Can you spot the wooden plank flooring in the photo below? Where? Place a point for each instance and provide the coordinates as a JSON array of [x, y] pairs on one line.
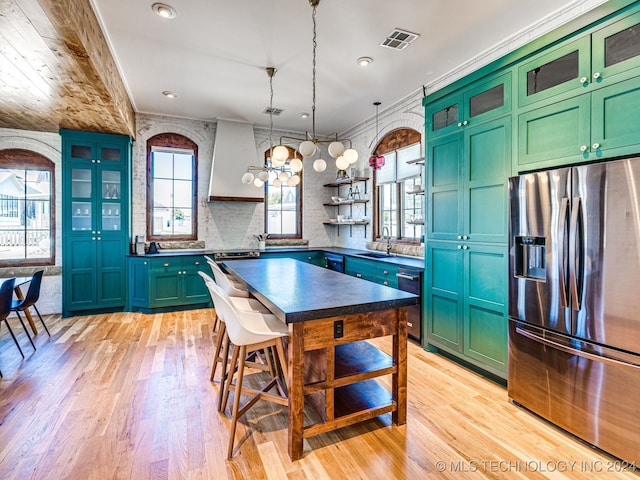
[[128, 396]]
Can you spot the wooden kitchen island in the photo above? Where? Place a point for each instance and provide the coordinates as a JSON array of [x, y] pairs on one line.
[[331, 367]]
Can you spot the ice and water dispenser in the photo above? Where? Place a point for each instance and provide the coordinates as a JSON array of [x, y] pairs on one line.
[[530, 257]]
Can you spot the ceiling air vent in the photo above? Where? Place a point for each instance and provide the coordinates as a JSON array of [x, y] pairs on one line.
[[273, 111], [399, 39]]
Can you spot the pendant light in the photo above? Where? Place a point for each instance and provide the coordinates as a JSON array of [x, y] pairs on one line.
[[376, 161]]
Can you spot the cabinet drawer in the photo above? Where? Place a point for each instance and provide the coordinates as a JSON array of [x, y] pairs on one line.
[[360, 268]]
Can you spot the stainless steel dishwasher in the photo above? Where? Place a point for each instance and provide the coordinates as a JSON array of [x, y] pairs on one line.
[[410, 280]]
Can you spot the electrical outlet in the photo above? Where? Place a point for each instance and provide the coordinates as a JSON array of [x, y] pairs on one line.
[[338, 329]]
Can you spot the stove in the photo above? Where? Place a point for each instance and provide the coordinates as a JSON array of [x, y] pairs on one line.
[[236, 254]]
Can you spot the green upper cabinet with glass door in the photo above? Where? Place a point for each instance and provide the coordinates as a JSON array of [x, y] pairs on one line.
[[580, 101], [95, 220], [467, 168]]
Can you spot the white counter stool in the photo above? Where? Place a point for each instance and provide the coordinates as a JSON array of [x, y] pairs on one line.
[[250, 331], [215, 268], [221, 354]]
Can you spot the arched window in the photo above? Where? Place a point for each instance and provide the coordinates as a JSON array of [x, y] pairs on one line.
[[398, 186], [172, 179], [27, 220], [283, 204]]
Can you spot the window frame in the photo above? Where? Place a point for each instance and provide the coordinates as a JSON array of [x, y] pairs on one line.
[[391, 142], [292, 153], [30, 160], [174, 141]]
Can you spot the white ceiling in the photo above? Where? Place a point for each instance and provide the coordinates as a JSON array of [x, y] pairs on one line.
[[213, 54]]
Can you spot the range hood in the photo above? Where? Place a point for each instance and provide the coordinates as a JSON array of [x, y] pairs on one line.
[[233, 151]]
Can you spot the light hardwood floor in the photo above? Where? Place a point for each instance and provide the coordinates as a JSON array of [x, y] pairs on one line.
[[128, 396]]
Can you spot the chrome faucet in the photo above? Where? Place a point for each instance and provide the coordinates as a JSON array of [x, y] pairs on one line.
[[388, 239]]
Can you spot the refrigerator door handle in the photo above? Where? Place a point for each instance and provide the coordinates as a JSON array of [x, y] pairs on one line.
[[573, 244], [564, 207], [573, 351]]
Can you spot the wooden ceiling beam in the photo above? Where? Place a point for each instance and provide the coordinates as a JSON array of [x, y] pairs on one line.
[[58, 71]]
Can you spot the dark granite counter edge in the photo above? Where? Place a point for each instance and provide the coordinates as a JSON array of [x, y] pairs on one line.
[[414, 262]]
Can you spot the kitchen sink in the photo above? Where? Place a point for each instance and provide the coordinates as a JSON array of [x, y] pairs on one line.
[[373, 255]]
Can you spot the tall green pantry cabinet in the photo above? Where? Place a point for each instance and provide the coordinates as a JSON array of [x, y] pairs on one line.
[[95, 209]]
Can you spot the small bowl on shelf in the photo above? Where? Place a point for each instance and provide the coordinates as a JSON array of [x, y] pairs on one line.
[[338, 199]]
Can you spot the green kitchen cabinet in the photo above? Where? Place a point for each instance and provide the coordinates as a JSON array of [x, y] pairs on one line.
[[467, 176], [315, 257], [376, 271], [578, 101], [485, 100], [95, 206], [598, 125], [168, 282], [361, 268], [466, 303]]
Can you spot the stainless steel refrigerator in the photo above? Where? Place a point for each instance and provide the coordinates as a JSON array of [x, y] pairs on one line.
[[574, 301]]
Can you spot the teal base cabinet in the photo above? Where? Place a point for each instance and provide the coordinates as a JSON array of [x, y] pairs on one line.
[[95, 219], [313, 257], [372, 270], [466, 303], [168, 283]]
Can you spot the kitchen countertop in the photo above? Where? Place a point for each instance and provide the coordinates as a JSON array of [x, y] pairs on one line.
[[401, 260], [333, 293]]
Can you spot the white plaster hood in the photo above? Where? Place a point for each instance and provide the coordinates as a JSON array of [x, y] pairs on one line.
[[233, 151]]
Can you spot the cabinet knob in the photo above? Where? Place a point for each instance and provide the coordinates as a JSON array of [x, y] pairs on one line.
[[596, 146], [462, 124], [93, 161], [459, 247], [196, 263], [93, 238], [359, 275], [459, 237], [99, 238], [309, 258], [145, 263], [409, 324], [596, 75], [465, 237], [583, 80], [386, 272], [166, 264], [583, 148], [465, 247], [93, 232], [385, 282], [98, 232], [97, 161]]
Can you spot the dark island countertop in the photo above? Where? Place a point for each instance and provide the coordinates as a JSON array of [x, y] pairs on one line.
[[297, 291]]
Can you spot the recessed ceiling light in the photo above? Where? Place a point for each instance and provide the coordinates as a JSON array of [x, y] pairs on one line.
[[163, 10], [364, 61], [303, 115], [169, 94]]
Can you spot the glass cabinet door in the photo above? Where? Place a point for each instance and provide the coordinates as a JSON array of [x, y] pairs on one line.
[[81, 204], [561, 70], [616, 50], [111, 208]]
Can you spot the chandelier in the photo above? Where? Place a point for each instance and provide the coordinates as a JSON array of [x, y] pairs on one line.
[[309, 144], [272, 168]]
